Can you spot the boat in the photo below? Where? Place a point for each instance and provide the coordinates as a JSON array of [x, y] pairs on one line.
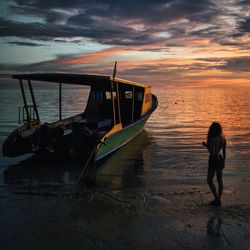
[[116, 112]]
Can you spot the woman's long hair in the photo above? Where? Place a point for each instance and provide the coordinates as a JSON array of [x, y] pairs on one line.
[[215, 130]]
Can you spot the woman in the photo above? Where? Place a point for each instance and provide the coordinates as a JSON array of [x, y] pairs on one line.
[[215, 142]]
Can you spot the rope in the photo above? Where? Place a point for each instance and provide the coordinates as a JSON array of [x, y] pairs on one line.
[[84, 167], [52, 218]]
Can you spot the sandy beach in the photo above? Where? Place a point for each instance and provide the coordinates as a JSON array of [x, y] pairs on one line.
[[179, 218]]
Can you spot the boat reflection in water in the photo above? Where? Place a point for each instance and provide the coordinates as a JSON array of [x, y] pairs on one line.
[[124, 170], [40, 170]]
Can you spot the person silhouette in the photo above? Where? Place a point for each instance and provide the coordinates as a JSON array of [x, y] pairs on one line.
[[214, 144]]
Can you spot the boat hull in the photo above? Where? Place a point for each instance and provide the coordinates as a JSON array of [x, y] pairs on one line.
[[123, 136], [120, 138]]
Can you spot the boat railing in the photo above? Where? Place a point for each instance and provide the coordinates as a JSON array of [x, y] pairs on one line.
[[22, 114]]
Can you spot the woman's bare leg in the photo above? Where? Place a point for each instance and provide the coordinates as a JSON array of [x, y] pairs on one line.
[[220, 182], [210, 176]]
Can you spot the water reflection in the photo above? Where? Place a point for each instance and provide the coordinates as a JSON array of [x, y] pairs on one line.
[[126, 169], [41, 170], [123, 170], [215, 238], [214, 225]]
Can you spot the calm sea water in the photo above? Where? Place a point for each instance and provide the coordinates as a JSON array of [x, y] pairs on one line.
[[168, 151]]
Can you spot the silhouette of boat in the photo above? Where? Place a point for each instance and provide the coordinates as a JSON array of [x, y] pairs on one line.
[[116, 112]]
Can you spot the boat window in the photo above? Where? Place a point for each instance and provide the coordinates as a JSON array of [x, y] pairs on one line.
[[97, 96], [74, 100], [108, 95], [128, 95], [140, 96]]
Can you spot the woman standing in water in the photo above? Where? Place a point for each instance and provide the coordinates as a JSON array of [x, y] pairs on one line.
[[215, 142]]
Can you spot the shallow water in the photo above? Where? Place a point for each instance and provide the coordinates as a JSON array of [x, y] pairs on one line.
[[169, 150], [162, 172]]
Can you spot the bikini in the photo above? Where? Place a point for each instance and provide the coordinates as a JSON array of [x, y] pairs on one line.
[[216, 160]]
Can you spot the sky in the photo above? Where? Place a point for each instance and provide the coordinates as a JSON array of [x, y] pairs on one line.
[[170, 43]]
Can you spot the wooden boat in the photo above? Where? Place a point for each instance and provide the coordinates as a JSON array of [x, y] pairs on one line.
[[116, 112]]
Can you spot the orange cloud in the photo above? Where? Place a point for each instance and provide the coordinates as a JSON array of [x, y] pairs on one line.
[[199, 64], [93, 57]]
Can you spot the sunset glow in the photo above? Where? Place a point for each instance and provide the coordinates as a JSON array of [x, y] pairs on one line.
[[166, 43]]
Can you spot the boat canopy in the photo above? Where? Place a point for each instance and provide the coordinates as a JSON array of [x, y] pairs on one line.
[[121, 100], [78, 79]]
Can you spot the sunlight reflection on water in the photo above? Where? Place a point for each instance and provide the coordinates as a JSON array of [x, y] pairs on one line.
[[181, 122]]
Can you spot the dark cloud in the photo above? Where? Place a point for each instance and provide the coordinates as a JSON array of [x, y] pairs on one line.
[[229, 43], [143, 12], [54, 65], [106, 21], [243, 3], [238, 64], [211, 32], [43, 31], [50, 4], [244, 19], [244, 26], [26, 44]]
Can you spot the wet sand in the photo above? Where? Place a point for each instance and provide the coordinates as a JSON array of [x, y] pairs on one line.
[[179, 218]]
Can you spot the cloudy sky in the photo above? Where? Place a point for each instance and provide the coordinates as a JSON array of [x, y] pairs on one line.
[[162, 42]]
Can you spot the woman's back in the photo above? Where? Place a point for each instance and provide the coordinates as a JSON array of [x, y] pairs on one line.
[[215, 144]]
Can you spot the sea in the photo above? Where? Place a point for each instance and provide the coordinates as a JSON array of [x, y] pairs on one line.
[[164, 159], [169, 148]]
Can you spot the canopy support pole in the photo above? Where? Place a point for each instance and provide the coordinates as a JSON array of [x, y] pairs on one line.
[[33, 100], [25, 101], [118, 102], [112, 96], [113, 101], [133, 104], [60, 101]]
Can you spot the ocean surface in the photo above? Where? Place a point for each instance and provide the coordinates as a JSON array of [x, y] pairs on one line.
[[165, 159], [169, 149]]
